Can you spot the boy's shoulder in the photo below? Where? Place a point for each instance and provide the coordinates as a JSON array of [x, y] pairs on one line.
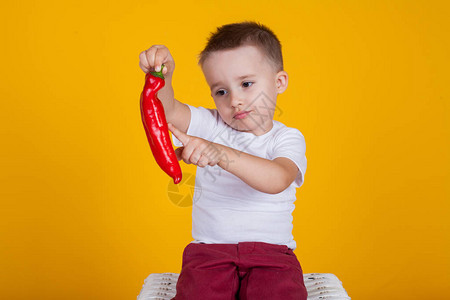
[[280, 129]]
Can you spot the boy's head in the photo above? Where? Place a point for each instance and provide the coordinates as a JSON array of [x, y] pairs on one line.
[[246, 33], [243, 66]]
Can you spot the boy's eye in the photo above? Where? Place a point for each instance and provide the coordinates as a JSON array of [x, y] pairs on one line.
[[221, 92], [247, 84]]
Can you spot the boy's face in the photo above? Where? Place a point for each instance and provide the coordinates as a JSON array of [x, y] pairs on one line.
[[244, 86]]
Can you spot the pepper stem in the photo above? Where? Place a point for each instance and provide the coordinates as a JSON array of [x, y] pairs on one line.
[[160, 73]]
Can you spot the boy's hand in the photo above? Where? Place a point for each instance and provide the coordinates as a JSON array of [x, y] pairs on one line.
[[196, 150], [152, 59]]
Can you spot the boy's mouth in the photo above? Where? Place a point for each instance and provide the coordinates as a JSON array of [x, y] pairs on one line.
[[241, 115]]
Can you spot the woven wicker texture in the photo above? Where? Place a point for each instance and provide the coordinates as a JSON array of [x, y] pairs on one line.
[[162, 286]]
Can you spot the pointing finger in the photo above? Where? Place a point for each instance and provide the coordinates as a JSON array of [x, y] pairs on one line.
[[181, 136]]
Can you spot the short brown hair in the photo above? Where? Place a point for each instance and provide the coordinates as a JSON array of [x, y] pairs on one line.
[[246, 33]]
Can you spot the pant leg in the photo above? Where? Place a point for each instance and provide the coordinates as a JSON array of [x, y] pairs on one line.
[[273, 272], [208, 272]]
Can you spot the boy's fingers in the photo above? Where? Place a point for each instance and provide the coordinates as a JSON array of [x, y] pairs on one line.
[[151, 53], [160, 58], [151, 57], [143, 62], [181, 136]]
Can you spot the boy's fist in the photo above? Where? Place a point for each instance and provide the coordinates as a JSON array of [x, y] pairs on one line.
[[152, 59]]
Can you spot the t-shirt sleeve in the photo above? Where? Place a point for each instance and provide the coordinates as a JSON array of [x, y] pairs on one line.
[[203, 123], [290, 143]]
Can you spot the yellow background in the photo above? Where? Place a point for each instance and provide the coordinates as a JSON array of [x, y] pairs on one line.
[[85, 212]]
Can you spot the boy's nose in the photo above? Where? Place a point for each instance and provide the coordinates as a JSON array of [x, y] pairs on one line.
[[236, 100]]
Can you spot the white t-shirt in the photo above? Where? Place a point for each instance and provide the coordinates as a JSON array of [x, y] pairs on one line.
[[225, 209]]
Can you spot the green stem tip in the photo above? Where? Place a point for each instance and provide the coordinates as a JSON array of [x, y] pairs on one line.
[[160, 73]]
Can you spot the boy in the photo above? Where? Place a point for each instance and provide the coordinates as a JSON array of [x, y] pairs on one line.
[[249, 167]]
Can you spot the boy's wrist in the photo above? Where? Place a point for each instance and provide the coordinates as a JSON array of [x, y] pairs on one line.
[[224, 154]]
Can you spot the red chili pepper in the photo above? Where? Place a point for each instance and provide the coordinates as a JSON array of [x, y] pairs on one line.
[[155, 125]]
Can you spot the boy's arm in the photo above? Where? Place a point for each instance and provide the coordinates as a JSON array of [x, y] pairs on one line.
[[264, 175], [180, 115], [176, 112]]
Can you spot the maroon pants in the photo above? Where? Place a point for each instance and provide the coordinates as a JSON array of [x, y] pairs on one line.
[[245, 271]]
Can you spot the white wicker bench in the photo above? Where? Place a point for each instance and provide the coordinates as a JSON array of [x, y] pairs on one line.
[[162, 286]]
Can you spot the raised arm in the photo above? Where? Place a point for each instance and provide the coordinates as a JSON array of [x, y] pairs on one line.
[[153, 58]]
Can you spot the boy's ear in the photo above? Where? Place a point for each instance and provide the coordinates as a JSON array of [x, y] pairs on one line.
[[282, 79]]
